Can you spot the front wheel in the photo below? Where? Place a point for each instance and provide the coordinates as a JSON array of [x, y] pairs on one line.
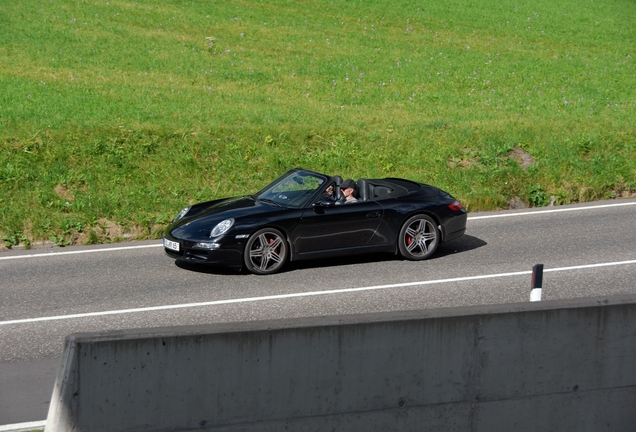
[[418, 238], [265, 251]]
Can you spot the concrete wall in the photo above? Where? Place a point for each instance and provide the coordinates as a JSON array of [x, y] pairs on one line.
[[546, 366]]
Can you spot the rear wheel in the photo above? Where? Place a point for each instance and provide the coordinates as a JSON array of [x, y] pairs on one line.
[[419, 238], [265, 251]]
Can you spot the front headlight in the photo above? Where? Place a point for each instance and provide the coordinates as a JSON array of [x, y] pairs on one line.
[[206, 245], [182, 213], [222, 227]]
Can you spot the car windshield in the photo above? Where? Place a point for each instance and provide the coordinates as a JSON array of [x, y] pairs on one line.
[[293, 189]]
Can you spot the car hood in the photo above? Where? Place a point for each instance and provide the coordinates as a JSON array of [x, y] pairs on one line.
[[228, 204], [200, 224]]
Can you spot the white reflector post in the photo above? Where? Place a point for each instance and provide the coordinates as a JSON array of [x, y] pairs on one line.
[[535, 294], [537, 282]]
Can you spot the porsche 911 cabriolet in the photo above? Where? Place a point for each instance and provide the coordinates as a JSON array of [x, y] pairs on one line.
[[301, 215]]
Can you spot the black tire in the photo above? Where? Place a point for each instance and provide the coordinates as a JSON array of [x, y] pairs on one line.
[[265, 252], [418, 238]]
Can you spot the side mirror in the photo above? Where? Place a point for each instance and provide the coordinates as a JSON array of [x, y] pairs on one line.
[[324, 202]]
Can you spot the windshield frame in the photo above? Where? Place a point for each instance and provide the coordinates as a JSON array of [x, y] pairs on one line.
[[269, 193]]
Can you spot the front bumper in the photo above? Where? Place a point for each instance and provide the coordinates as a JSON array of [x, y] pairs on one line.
[[227, 253]]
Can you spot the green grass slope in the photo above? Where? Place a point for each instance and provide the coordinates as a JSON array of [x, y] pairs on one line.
[[116, 114]]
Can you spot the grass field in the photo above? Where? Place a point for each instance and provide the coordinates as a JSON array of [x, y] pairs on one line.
[[116, 114]]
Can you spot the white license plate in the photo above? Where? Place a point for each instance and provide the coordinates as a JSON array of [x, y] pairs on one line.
[[171, 245]]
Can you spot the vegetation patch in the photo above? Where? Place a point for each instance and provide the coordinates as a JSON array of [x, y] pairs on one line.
[[127, 112]]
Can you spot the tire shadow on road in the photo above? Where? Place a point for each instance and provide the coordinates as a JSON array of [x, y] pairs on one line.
[[461, 244]]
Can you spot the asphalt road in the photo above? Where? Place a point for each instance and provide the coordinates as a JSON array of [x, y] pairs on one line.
[[588, 250]]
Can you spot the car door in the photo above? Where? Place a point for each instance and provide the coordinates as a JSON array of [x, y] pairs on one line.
[[338, 227]]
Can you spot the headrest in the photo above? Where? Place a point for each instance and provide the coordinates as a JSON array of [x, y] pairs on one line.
[[363, 189]]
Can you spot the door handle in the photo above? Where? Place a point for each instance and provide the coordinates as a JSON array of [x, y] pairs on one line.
[[375, 214]]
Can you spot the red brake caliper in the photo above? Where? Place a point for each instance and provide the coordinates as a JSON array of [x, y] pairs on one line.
[[272, 241]]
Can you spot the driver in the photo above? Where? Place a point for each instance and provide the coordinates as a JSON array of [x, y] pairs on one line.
[[348, 188]]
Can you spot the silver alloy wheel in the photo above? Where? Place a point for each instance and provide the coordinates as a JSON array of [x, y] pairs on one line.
[[419, 238], [265, 251]]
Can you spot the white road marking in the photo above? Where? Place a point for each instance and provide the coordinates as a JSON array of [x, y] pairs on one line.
[[303, 294], [24, 426], [470, 218], [556, 210], [49, 254]]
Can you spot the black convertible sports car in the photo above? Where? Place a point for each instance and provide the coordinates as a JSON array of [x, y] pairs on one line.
[[300, 215]]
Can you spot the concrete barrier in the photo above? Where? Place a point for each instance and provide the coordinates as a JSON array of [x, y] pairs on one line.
[[554, 365]]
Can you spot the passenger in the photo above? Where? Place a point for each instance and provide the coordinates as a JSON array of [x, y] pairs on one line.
[[328, 193], [348, 188]]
